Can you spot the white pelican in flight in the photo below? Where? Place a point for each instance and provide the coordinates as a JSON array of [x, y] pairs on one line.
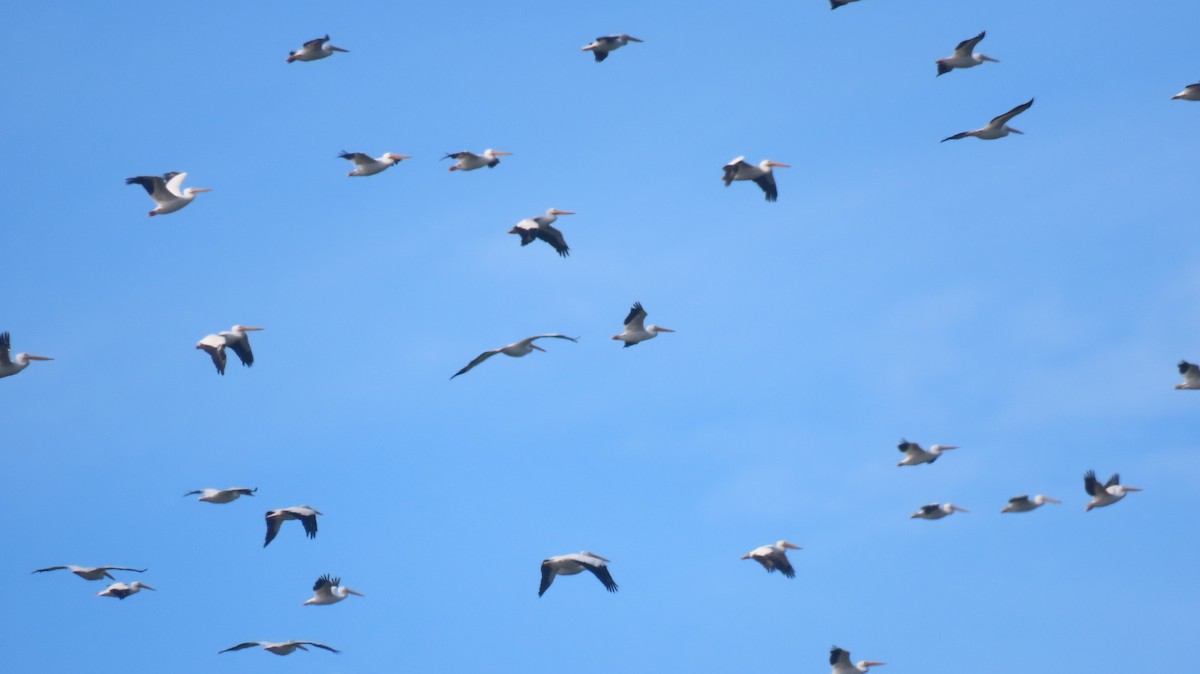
[[635, 327], [283, 648], [762, 175], [314, 49], [165, 191], [330, 591], [222, 495], [10, 365], [1104, 494], [1023, 504], [997, 128], [90, 572], [569, 565], [1190, 372], [1190, 93], [538, 227], [469, 161], [936, 511], [838, 3], [516, 350], [840, 659], [366, 166], [774, 557], [962, 57], [275, 519], [235, 338], [914, 455], [121, 590], [607, 43]]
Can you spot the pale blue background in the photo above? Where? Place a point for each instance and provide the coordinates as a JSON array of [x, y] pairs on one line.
[[1026, 299]]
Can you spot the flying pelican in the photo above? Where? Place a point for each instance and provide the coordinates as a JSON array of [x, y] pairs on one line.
[[469, 161], [1023, 504], [569, 565], [12, 365], [1190, 372], [516, 350], [607, 43], [90, 572], [738, 169], [275, 519], [538, 227], [936, 511], [314, 49], [997, 128], [1190, 93], [774, 557], [284, 648], [840, 659], [366, 166], [330, 591], [235, 338], [635, 329], [1104, 494], [914, 455], [165, 191], [121, 590], [222, 495], [838, 3], [962, 57]]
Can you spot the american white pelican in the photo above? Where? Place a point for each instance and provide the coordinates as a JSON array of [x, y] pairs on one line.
[[962, 57], [997, 128], [1104, 494], [366, 166], [607, 43], [91, 572], [774, 557], [635, 327], [840, 659], [936, 511], [516, 350], [1023, 504], [914, 455], [761, 174], [569, 565], [121, 590], [10, 365], [1190, 372], [314, 49], [538, 227], [838, 3], [275, 519], [235, 338], [222, 495], [165, 191], [469, 161], [283, 648], [1190, 93], [330, 591]]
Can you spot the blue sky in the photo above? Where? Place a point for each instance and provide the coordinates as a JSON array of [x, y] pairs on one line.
[[1026, 299]]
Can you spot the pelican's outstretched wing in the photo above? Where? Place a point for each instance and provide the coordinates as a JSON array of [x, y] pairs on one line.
[[478, 359]]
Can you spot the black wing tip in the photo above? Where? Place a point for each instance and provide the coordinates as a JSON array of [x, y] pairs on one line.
[[943, 69], [600, 55], [1183, 364]]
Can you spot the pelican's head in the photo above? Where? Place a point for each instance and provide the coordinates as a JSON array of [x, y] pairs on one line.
[[950, 507], [141, 586], [1012, 130], [192, 191], [1123, 489], [244, 328], [315, 511], [984, 57], [556, 212], [397, 158], [26, 357], [495, 153], [333, 48], [864, 665], [784, 545], [630, 38], [658, 328], [941, 448], [1045, 499], [301, 647], [535, 346], [592, 554], [356, 593], [767, 165]]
